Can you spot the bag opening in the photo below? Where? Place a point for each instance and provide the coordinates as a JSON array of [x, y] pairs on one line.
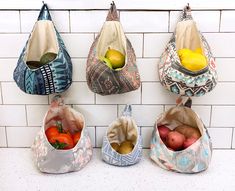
[[43, 40]]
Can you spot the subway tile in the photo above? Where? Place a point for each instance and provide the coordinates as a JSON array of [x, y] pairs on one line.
[[207, 21], [144, 115], [223, 116], [36, 114], [8, 66], [133, 97], [12, 40], [204, 113], [79, 69], [155, 93], [87, 21], [78, 45], [100, 133], [21, 136], [146, 133], [10, 90], [148, 69], [222, 44], [154, 44], [222, 94], [59, 18], [98, 115], [151, 21], [10, 21], [79, 93], [3, 141], [91, 131], [221, 137], [8, 111], [227, 21], [137, 43], [225, 69]]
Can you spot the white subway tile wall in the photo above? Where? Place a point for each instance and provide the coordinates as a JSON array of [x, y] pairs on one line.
[[148, 31]]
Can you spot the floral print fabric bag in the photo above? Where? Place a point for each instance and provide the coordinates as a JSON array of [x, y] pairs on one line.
[[178, 79], [193, 159], [44, 66], [101, 78], [51, 160]]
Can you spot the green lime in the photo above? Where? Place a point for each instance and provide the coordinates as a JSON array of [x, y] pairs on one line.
[[48, 57]]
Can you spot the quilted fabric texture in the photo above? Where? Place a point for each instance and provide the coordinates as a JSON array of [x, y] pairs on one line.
[[105, 81], [177, 79], [54, 77], [51, 160], [109, 155], [195, 158]]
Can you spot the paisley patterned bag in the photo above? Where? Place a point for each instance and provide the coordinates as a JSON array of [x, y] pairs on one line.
[[124, 128], [193, 159], [51, 160], [176, 78], [100, 78], [44, 66]]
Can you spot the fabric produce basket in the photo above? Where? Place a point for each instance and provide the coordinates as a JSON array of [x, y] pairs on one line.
[[51, 160], [183, 80], [44, 66], [123, 128], [193, 159], [101, 78]]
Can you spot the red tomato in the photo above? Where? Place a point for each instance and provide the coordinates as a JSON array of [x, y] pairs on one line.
[[52, 131], [62, 141], [76, 137]]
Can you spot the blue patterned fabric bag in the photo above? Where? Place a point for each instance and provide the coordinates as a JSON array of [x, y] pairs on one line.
[[44, 66], [122, 144], [193, 158]]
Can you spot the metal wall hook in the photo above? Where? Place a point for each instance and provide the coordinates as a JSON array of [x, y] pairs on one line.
[[188, 7], [43, 2]]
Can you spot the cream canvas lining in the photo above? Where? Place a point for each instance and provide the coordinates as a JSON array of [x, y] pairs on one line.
[[112, 36], [122, 129], [42, 40], [187, 35], [181, 115], [71, 121]]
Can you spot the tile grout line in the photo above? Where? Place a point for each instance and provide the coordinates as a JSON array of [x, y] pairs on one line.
[[220, 21], [143, 46], [232, 138], [20, 21], [210, 116], [69, 22], [1, 93], [169, 14], [6, 136], [26, 116]]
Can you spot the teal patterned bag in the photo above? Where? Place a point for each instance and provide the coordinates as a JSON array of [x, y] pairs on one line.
[[44, 66], [194, 158]]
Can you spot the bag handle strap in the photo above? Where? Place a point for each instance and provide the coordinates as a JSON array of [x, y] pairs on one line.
[[184, 101], [44, 13], [127, 111], [112, 14], [186, 13], [57, 100]]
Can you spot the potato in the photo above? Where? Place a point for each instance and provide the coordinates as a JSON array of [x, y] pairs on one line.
[[188, 131], [115, 146], [125, 147], [175, 140]]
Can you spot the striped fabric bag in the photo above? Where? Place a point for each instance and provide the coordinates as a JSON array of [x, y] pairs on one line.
[[44, 66]]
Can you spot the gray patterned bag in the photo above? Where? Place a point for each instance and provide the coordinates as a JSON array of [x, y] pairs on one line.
[[51, 160], [124, 128], [193, 159], [178, 79]]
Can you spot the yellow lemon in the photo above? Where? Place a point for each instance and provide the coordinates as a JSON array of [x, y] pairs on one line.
[[117, 59]]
